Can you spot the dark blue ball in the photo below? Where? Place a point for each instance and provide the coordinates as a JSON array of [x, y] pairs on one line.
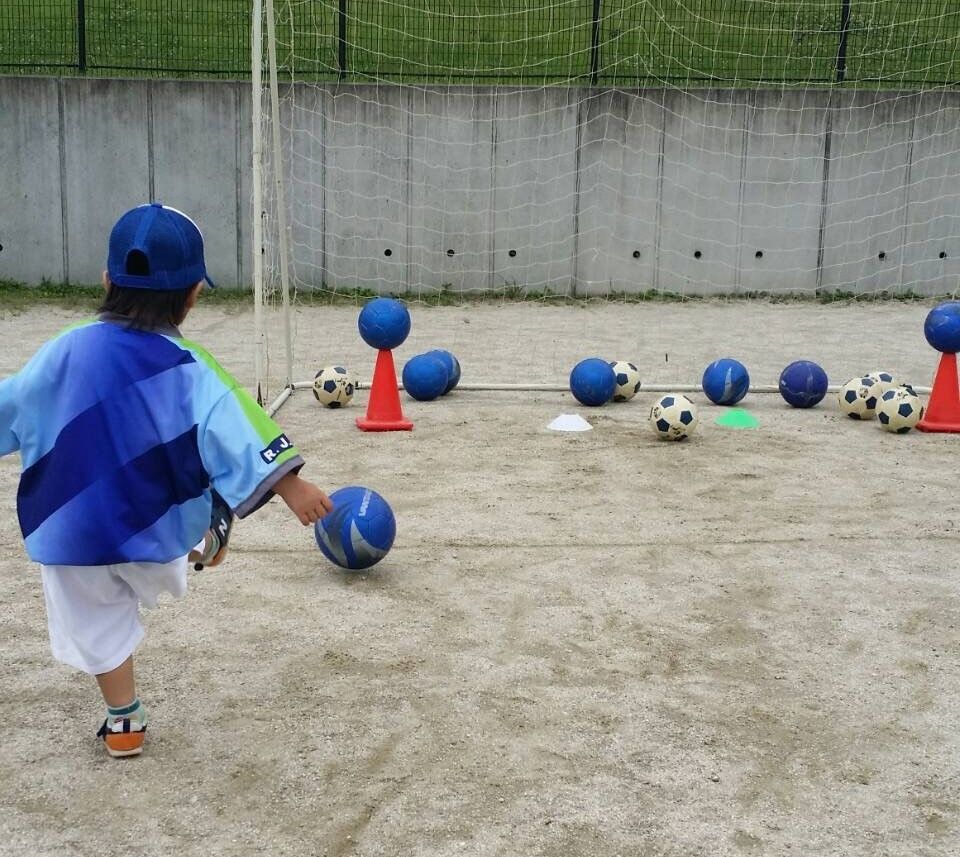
[[384, 323], [726, 381], [942, 327], [453, 368], [425, 377], [359, 531], [803, 383], [593, 381]]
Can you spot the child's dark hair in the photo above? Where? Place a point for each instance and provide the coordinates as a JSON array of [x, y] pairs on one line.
[[146, 308]]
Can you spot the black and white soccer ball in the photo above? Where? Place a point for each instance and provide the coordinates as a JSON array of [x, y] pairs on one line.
[[858, 398], [628, 380], [883, 379], [673, 417], [899, 409], [333, 386]]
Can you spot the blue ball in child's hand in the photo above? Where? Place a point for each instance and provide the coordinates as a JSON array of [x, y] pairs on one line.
[[593, 381], [384, 323], [425, 377], [360, 530]]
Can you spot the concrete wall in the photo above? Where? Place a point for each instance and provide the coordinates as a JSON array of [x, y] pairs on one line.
[[78, 153], [573, 190]]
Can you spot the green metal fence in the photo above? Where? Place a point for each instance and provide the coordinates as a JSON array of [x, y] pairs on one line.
[[890, 43]]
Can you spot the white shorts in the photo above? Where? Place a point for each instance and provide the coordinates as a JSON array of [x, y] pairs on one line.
[[93, 611]]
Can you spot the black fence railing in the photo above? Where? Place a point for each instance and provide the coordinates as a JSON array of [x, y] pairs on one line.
[[902, 43]]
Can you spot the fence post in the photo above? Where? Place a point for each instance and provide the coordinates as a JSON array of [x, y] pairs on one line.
[[342, 40], [595, 44], [842, 47], [81, 36]]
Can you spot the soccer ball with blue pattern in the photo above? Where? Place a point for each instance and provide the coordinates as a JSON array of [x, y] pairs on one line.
[[360, 530], [628, 380], [858, 398], [333, 387], [899, 409], [673, 417]]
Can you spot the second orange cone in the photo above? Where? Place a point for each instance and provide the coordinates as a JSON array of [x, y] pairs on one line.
[[943, 408]]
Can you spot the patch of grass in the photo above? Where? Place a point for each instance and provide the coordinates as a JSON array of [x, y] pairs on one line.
[[658, 42], [18, 297], [843, 296]]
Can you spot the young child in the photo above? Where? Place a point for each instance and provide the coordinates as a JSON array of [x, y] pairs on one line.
[[137, 450]]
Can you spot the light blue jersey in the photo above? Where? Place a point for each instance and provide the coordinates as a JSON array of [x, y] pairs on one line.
[[121, 434]]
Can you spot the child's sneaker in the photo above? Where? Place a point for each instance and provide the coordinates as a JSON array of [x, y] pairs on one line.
[[221, 522], [123, 737]]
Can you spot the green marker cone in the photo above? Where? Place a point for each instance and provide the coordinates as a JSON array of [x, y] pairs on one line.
[[737, 418]]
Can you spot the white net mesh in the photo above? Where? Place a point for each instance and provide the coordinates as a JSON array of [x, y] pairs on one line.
[[622, 150]]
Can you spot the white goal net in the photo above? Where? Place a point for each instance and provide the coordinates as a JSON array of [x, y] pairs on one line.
[[578, 149]]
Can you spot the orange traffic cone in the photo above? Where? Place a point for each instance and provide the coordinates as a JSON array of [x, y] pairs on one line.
[[943, 408], [383, 408]]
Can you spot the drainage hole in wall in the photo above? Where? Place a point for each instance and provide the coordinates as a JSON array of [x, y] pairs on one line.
[[758, 254], [881, 255], [388, 252], [697, 254], [449, 252], [636, 254], [512, 253], [943, 253]]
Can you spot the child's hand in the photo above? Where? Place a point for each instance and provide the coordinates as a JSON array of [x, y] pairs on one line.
[[305, 499]]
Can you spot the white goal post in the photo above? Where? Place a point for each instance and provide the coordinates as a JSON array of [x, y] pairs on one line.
[[561, 149]]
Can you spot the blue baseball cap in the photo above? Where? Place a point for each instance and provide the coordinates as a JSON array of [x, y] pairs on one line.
[[156, 247]]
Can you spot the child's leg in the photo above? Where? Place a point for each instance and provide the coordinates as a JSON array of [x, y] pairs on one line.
[[126, 722], [118, 686], [93, 617]]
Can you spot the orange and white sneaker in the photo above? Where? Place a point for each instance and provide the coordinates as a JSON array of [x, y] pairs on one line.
[[124, 736]]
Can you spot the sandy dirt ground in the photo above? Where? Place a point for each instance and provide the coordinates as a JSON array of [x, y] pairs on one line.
[[588, 644]]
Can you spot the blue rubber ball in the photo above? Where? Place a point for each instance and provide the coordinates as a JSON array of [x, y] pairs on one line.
[[425, 377], [453, 368], [803, 383], [359, 531], [384, 323], [942, 327], [593, 381], [726, 381]]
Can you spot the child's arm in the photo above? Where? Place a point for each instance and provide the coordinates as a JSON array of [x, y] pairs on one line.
[[305, 499]]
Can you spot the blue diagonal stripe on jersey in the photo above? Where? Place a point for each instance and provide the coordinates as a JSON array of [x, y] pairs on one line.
[[99, 440], [128, 501], [78, 364], [134, 354], [88, 452], [167, 475]]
